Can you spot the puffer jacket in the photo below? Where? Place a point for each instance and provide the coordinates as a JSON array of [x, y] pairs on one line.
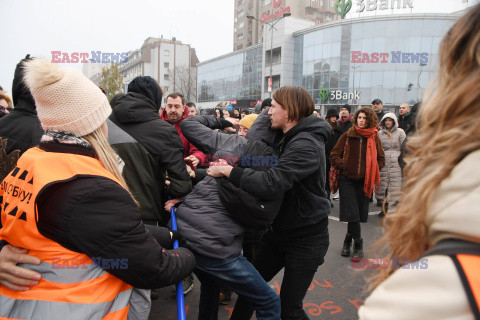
[[352, 164], [435, 292], [391, 173], [202, 220]]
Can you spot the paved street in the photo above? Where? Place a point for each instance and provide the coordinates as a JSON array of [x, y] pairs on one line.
[[335, 293]]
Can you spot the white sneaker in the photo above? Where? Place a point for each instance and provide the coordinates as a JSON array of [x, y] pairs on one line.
[[336, 197]]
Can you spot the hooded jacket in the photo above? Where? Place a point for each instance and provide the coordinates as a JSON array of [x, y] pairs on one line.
[[300, 175], [21, 126], [190, 149], [150, 147], [391, 173], [202, 219], [435, 292]]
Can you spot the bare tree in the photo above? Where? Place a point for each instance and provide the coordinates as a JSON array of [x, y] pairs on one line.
[[185, 81]]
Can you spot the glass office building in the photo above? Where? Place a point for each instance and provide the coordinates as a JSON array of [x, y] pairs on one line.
[[390, 57], [234, 76]]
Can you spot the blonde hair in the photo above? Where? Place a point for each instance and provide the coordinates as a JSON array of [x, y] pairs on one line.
[[448, 132], [105, 154]]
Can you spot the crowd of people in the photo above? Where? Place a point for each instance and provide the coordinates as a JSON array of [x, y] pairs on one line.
[[87, 185]]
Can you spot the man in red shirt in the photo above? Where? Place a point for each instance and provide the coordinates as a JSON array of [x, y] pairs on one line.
[[174, 112]]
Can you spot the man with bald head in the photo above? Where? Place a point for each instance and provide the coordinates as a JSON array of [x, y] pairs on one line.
[[406, 119]]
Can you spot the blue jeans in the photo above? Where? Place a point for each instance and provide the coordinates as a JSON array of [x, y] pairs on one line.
[[241, 277]]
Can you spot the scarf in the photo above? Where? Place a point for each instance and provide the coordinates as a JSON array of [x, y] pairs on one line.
[[64, 137], [372, 171]]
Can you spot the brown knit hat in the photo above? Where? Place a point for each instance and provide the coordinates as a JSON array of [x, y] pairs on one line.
[[247, 121], [65, 99]]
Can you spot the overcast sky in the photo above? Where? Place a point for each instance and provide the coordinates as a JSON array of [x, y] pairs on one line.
[[39, 27]]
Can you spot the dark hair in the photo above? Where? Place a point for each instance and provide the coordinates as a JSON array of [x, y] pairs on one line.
[[221, 112], [210, 112], [175, 95], [245, 110], [191, 104], [296, 100], [1, 88], [372, 119], [266, 103]]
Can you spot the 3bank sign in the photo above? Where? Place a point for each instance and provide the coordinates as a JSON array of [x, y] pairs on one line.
[[333, 95], [342, 7]]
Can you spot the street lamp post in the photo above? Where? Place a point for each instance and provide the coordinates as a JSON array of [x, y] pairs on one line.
[[353, 82], [271, 24]]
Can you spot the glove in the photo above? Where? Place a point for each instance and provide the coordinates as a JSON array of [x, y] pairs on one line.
[[175, 235]]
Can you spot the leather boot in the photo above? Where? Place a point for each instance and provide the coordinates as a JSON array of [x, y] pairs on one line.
[[357, 249], [347, 243]]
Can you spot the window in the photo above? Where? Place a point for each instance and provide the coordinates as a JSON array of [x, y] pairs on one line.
[[166, 53], [166, 77], [165, 89], [241, 25], [265, 2], [166, 64], [240, 35], [240, 13]]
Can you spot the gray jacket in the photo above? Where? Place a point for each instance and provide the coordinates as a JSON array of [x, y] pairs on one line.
[[201, 219]]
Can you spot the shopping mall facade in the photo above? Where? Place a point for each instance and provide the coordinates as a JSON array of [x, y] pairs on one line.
[[390, 57]]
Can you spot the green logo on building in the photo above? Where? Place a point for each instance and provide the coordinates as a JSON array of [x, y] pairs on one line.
[[323, 95], [342, 7]]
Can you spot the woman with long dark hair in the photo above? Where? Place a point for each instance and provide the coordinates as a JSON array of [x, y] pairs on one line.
[[359, 156]]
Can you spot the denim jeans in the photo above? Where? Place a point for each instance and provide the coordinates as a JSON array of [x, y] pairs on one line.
[[240, 276]]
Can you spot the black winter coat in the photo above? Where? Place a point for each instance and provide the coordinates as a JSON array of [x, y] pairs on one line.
[[21, 126], [300, 175], [407, 123], [150, 148], [95, 216]]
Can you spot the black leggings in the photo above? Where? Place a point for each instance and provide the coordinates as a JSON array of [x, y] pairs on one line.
[[354, 229]]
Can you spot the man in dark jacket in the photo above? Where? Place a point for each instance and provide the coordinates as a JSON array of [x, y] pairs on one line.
[[21, 126], [175, 112], [377, 106], [406, 120], [150, 148], [298, 238]]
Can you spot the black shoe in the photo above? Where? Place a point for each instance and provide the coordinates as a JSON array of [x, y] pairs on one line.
[[331, 204], [347, 243], [357, 249], [381, 214], [379, 203]]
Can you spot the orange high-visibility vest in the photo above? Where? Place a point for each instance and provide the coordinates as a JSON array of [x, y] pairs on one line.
[[72, 285], [466, 258]]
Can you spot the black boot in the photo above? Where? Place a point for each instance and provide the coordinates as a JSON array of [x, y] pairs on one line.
[[347, 243], [357, 249]]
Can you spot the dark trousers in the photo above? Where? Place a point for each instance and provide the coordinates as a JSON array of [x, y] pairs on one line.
[[300, 256], [353, 201]]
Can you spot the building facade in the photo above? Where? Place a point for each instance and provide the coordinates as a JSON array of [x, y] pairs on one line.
[[170, 62], [390, 57], [249, 32]]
